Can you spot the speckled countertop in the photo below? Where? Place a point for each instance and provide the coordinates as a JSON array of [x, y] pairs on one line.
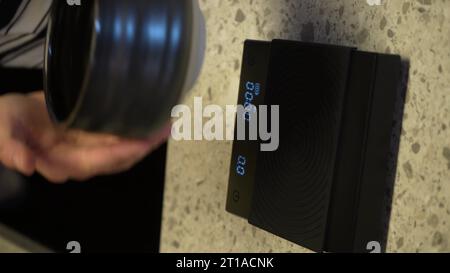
[[419, 30]]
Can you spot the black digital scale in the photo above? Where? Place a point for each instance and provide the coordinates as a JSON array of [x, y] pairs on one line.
[[324, 188]]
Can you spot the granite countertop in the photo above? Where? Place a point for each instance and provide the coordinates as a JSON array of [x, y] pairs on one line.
[[194, 218], [419, 30]]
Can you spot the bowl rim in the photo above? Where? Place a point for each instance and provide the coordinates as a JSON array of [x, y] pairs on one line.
[[73, 114]]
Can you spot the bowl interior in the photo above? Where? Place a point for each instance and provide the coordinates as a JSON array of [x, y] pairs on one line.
[[68, 56]]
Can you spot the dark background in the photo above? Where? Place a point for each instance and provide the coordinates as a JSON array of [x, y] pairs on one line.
[[119, 213]]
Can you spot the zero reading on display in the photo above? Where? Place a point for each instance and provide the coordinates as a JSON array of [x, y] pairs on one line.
[[241, 163]]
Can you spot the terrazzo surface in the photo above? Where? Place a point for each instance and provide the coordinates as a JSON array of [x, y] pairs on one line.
[[194, 218], [419, 30]]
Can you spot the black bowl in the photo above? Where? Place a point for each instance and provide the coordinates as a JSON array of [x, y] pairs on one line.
[[119, 66]]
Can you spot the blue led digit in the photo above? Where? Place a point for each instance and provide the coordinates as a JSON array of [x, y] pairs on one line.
[[249, 97], [247, 116], [250, 86], [241, 162], [240, 170], [257, 89], [252, 90]]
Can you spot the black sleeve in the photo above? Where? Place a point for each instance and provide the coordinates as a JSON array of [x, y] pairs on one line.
[[22, 32], [8, 9]]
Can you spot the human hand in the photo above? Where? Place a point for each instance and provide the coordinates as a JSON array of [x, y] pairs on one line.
[[30, 142]]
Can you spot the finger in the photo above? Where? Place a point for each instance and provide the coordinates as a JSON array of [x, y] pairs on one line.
[[24, 159], [17, 156], [127, 157], [38, 95], [132, 158], [80, 138], [113, 159], [7, 160], [66, 161], [81, 163], [51, 171], [110, 170]]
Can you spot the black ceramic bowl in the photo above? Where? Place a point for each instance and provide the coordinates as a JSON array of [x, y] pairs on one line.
[[119, 66]]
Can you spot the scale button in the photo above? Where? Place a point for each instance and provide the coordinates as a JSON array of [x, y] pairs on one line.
[[236, 196]]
